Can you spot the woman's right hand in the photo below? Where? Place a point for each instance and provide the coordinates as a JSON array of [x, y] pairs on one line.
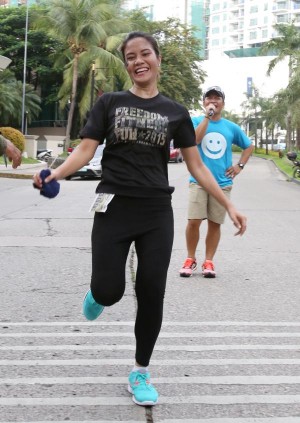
[[37, 180], [79, 157]]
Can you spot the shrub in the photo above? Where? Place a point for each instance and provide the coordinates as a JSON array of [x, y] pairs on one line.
[[74, 143], [15, 136]]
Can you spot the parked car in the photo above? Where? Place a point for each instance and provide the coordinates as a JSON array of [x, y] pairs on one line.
[[93, 169], [279, 146], [175, 154]]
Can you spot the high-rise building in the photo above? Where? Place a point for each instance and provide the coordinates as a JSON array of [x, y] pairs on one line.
[[7, 3], [159, 10], [240, 27], [232, 31], [226, 26]]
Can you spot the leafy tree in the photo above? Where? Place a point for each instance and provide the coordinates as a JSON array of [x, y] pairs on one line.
[[40, 48], [285, 45], [89, 30], [11, 92], [231, 116]]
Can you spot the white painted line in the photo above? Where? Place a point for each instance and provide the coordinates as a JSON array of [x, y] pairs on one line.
[[192, 335], [208, 420], [177, 347], [201, 380], [101, 421], [226, 420], [167, 362], [113, 401], [166, 323]]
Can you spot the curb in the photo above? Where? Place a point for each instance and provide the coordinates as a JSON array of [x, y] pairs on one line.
[[15, 175]]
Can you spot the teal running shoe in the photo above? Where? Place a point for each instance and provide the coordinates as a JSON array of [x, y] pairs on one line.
[[143, 393], [91, 309]]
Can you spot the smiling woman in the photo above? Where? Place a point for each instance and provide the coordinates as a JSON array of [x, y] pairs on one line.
[[133, 203]]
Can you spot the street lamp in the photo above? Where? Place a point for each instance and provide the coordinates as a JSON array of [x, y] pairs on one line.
[[24, 70]]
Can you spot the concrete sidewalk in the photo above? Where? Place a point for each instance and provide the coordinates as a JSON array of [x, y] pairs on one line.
[[25, 171]]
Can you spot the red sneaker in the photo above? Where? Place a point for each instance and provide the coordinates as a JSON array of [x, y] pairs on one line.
[[189, 266], [208, 269]]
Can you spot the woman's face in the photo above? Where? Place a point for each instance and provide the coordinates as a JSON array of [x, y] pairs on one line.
[[142, 64]]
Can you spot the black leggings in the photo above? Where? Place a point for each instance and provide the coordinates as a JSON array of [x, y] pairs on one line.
[[148, 222]]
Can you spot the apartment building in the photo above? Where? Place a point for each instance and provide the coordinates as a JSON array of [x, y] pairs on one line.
[[7, 3], [240, 27], [232, 32]]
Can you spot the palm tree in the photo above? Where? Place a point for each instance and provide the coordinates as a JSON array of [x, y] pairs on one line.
[[90, 30], [11, 92], [285, 45]]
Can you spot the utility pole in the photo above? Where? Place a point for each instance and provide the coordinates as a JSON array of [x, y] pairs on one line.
[[24, 72], [185, 12]]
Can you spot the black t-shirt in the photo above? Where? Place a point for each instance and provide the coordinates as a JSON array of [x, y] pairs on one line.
[[138, 132]]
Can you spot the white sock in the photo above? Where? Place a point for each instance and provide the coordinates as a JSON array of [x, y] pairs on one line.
[[140, 369]]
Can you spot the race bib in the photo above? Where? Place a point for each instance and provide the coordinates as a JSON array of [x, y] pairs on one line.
[[101, 202]]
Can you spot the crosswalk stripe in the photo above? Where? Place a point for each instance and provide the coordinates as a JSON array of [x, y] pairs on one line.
[[268, 394], [175, 347], [162, 362], [208, 420], [165, 323], [162, 335], [203, 380], [226, 420], [200, 399]]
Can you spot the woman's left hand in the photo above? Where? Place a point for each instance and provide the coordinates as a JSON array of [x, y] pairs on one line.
[[239, 220]]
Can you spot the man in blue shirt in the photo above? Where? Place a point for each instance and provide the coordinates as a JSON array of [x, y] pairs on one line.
[[215, 137]]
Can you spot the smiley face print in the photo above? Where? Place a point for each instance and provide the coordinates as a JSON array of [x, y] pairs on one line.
[[213, 145]]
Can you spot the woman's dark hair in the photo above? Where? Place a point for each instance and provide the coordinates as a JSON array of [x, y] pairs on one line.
[[139, 34]]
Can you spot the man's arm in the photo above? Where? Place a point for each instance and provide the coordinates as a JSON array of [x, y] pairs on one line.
[[234, 170], [2, 145], [246, 154], [201, 129], [11, 151]]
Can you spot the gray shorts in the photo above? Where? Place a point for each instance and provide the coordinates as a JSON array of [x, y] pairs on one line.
[[202, 205]]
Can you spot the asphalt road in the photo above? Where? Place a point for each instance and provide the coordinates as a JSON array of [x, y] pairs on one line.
[[229, 349]]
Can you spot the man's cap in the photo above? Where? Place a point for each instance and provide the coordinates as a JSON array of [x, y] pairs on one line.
[[215, 89]]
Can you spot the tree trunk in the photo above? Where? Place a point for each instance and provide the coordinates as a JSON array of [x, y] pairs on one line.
[[288, 131], [73, 102]]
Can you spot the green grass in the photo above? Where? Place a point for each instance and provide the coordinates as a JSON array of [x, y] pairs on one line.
[[284, 164], [24, 161]]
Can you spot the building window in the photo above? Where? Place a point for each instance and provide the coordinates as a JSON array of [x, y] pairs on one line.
[[282, 5], [253, 9], [252, 35], [253, 22], [215, 30], [215, 18], [264, 33], [282, 18], [215, 43]]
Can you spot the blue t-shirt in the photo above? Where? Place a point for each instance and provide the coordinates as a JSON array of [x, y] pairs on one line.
[[215, 147]]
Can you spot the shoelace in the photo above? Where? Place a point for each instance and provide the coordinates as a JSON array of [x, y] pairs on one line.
[[188, 263], [142, 379], [208, 265]]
